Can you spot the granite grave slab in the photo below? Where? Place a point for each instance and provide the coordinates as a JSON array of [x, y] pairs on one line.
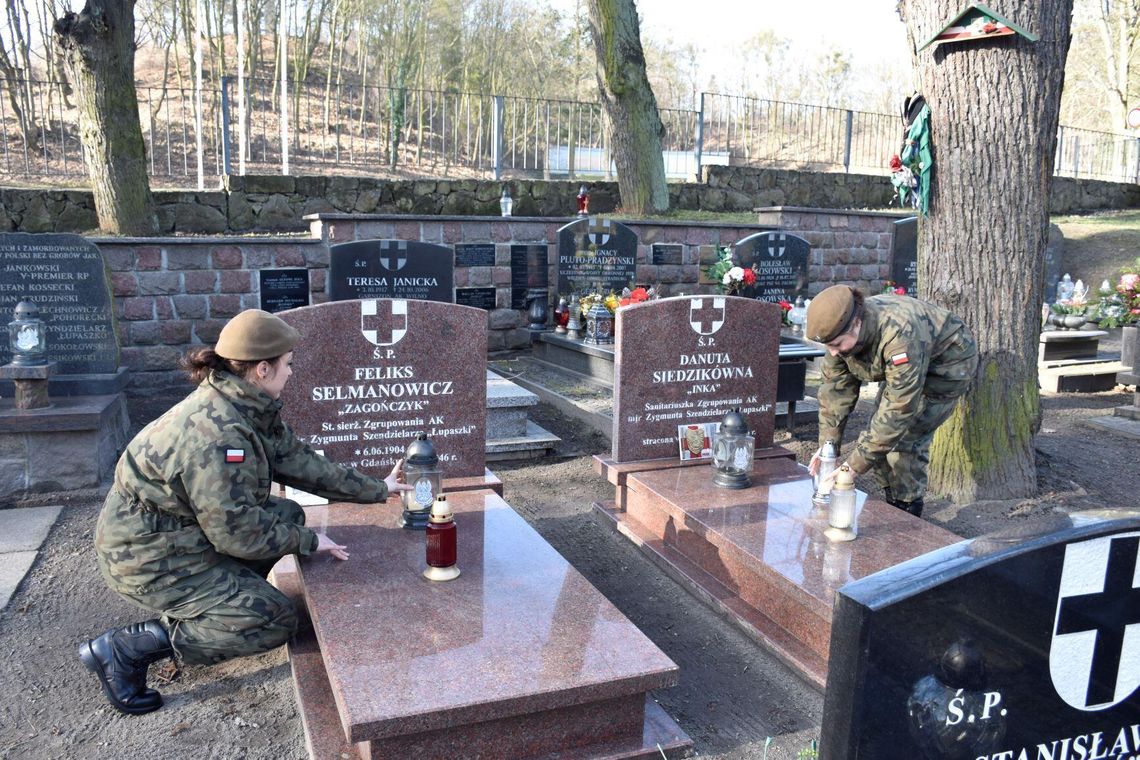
[[1021, 645], [596, 254], [687, 361], [403, 269], [904, 255], [369, 375], [781, 261]]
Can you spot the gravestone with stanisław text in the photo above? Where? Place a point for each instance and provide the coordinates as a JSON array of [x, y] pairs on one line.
[[904, 255], [282, 289], [1008, 647], [596, 254], [369, 375], [66, 277], [391, 269], [781, 260], [528, 272], [687, 361]]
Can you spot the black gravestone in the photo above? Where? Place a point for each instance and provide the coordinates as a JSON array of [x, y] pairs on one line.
[[283, 289], [66, 277], [904, 255], [475, 255], [781, 261], [1001, 648], [391, 269], [666, 253], [596, 254], [480, 298], [1054, 253], [528, 271]]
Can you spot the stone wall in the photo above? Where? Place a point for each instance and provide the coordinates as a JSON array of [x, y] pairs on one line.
[[279, 204]]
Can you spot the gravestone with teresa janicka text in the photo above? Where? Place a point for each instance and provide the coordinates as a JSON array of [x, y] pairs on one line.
[[682, 363], [369, 375], [392, 269]]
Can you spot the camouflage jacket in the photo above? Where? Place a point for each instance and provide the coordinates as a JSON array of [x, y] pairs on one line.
[[192, 484], [916, 349]]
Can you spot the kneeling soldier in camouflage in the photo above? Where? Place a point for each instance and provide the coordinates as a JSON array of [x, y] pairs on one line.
[[925, 358], [189, 530]]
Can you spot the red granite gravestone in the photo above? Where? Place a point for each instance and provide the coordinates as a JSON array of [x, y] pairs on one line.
[[368, 376], [682, 363]]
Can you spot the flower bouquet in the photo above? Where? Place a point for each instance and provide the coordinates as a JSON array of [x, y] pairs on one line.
[[730, 279], [785, 310], [1071, 312], [637, 295], [892, 288], [1120, 306]]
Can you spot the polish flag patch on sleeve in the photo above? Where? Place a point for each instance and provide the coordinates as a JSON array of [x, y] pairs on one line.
[[235, 456], [898, 359]]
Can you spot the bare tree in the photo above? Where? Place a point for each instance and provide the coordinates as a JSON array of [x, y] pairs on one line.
[[99, 49], [631, 108], [993, 126]]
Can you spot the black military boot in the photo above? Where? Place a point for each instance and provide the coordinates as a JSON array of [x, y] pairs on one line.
[[120, 658], [914, 507], [889, 496]]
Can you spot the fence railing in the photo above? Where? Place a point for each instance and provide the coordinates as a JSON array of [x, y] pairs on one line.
[[407, 132]]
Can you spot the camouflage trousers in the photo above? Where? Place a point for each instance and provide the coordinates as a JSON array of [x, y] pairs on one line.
[[903, 470], [228, 611]]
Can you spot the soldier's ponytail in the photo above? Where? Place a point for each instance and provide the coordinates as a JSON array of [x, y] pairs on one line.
[[200, 362]]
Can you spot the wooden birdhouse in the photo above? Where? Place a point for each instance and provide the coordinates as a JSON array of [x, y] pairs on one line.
[[977, 22]]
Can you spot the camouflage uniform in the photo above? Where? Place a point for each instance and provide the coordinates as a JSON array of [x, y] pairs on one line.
[[925, 358], [190, 535]]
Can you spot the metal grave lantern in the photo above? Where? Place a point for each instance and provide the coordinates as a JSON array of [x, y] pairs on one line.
[[599, 326], [506, 203], [841, 511], [422, 473], [27, 336], [733, 447]]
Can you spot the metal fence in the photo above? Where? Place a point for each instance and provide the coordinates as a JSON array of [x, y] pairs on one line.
[[407, 132]]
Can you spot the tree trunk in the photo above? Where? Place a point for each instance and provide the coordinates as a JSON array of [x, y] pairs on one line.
[[994, 108], [99, 48], [631, 108]]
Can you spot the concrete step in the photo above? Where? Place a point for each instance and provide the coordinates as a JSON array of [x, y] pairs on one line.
[[1080, 377], [510, 434]]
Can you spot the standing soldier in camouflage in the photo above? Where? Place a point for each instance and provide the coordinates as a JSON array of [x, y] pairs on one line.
[[189, 530], [925, 359]]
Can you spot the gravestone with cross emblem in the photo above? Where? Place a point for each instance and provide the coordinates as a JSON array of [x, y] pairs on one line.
[[369, 375], [596, 255], [688, 361], [391, 269], [781, 261], [1023, 645]]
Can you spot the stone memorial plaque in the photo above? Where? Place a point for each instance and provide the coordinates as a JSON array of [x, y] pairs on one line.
[[528, 270], [596, 254], [904, 255], [371, 374], [475, 255], [667, 253], [1005, 647], [66, 277], [1054, 254], [781, 261], [283, 289], [480, 298], [391, 269], [688, 361]]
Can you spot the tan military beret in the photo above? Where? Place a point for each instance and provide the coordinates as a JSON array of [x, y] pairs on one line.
[[254, 335], [830, 314]]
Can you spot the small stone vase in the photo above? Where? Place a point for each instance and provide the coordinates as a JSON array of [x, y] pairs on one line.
[[1074, 321]]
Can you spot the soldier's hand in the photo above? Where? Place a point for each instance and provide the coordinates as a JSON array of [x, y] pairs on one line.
[[393, 481], [326, 544], [813, 465]]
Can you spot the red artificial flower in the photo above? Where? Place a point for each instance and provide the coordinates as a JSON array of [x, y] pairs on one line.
[[638, 295], [749, 277], [785, 305], [900, 291], [990, 28], [896, 163]]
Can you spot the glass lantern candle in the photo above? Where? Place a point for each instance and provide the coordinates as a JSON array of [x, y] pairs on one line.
[[27, 336], [583, 199], [561, 316], [599, 326], [733, 447], [828, 454], [442, 549], [422, 473], [841, 510], [506, 203], [797, 315]]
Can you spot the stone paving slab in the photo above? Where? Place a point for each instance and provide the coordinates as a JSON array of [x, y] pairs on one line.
[[13, 567], [25, 529], [1120, 425]]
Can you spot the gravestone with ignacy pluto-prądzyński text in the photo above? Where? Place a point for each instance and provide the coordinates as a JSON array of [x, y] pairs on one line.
[[781, 261], [1022, 646], [369, 375], [391, 269], [66, 277], [596, 254], [680, 364]]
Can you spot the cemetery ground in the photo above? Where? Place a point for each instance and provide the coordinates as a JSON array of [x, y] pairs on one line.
[[731, 697]]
